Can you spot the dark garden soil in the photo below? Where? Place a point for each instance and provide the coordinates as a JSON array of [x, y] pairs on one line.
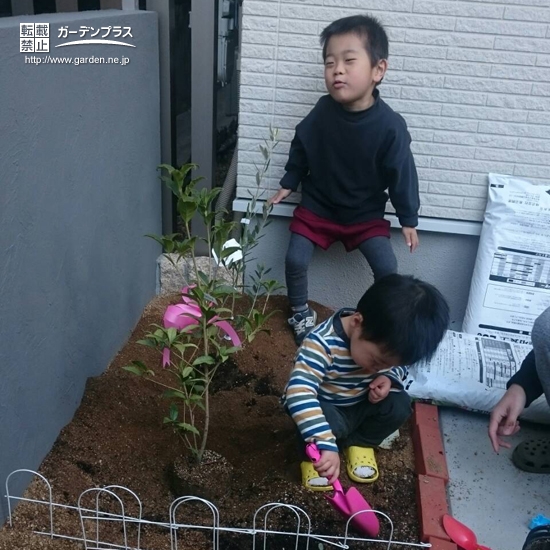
[[117, 437]]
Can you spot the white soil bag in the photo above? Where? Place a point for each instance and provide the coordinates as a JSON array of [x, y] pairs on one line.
[[511, 280], [471, 372]]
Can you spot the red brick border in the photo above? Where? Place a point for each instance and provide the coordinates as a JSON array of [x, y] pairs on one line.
[[439, 544], [424, 414], [433, 475], [429, 455]]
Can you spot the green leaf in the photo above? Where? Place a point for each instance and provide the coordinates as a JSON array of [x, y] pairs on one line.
[[134, 370], [174, 183], [197, 398], [208, 217], [186, 208], [227, 251], [204, 360], [172, 334], [173, 412], [182, 248], [186, 168], [188, 428], [220, 310], [212, 330], [186, 372], [245, 321], [167, 167], [233, 349], [190, 384], [182, 347], [264, 151], [139, 368], [189, 330], [174, 393], [150, 343], [155, 237], [204, 278]]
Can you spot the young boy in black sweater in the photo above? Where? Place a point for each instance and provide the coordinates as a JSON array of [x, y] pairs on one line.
[[348, 154]]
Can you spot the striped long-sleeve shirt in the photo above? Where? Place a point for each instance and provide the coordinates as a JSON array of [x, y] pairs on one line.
[[324, 369]]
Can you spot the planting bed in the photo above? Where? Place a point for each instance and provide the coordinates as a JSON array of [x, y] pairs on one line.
[[117, 437]]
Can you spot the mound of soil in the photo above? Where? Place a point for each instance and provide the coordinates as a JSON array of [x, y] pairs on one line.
[[117, 437]]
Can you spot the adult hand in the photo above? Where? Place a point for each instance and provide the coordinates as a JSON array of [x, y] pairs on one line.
[[504, 417], [379, 389], [328, 465], [411, 237], [279, 196]]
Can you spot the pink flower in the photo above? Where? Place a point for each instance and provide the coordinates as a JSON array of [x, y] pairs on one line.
[[188, 313]]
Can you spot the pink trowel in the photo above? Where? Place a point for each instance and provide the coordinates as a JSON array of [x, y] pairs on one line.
[[349, 502], [461, 535]]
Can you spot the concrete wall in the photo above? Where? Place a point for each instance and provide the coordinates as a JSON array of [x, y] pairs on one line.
[[78, 190]]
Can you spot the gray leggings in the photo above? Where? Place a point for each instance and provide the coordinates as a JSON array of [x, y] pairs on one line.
[[377, 251], [540, 335]]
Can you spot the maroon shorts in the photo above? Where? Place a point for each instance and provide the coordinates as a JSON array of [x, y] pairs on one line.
[[325, 232]]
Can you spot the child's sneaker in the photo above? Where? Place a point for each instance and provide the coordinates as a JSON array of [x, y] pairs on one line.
[[302, 322]]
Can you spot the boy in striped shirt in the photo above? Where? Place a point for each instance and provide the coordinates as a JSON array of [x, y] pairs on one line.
[[345, 390]]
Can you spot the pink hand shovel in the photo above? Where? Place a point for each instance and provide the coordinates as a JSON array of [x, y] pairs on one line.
[[349, 502], [461, 535]]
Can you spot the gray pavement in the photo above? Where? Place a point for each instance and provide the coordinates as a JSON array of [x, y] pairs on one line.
[[486, 491]]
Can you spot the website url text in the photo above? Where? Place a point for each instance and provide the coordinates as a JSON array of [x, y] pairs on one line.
[[52, 60]]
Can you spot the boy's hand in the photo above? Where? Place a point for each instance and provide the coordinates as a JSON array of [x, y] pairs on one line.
[[379, 389], [504, 417], [328, 465], [411, 237], [279, 196]]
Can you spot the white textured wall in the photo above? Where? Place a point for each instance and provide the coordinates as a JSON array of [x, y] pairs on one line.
[[472, 79]]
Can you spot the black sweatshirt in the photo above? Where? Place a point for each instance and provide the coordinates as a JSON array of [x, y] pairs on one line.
[[528, 379], [347, 160]]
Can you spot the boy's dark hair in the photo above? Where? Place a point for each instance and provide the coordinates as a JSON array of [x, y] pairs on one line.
[[366, 27], [404, 315]]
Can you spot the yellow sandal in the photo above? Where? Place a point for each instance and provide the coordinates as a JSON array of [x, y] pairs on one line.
[[309, 474], [357, 457]]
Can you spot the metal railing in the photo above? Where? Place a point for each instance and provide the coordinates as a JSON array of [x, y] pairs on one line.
[[95, 506]]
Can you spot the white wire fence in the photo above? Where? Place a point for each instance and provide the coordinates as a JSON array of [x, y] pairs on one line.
[[109, 506]]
